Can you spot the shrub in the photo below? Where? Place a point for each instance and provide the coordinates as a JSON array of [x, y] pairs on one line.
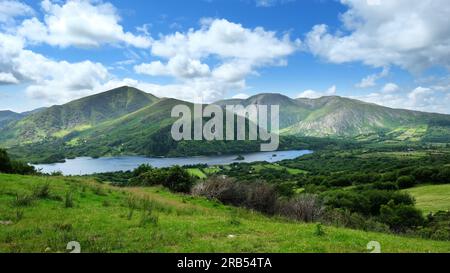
[[257, 195], [42, 192], [147, 214], [219, 187], [345, 218], [400, 217], [98, 190], [178, 180], [9, 166], [406, 182], [23, 200], [387, 186], [306, 208], [152, 177], [132, 206], [141, 170], [261, 197], [19, 215], [68, 200], [5, 162], [366, 202], [319, 231]]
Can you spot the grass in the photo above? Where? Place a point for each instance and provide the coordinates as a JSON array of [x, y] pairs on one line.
[[197, 173], [260, 167], [163, 222], [432, 198]]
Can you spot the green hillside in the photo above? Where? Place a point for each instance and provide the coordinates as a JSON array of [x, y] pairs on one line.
[[432, 198], [103, 218], [60, 120], [7, 117], [342, 117], [127, 121]]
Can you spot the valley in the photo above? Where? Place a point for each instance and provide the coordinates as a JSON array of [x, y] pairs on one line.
[[375, 174], [127, 121]]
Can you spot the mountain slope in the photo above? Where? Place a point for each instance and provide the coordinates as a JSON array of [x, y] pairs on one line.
[[99, 222], [342, 117], [126, 121], [7, 117], [60, 120]]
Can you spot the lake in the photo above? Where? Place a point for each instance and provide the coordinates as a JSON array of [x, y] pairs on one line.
[[87, 165]]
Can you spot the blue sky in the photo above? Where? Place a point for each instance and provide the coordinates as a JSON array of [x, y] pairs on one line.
[[54, 51]]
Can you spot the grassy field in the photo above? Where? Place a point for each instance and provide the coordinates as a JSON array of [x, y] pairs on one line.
[[40, 214], [432, 198], [260, 167], [196, 172]]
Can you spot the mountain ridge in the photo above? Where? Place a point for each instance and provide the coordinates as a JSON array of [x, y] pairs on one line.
[[127, 120]]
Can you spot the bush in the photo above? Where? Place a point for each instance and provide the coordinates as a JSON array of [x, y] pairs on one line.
[[9, 166], [68, 200], [305, 208], [152, 177], [366, 202], [42, 192], [400, 217], [175, 179], [261, 197], [437, 226], [5, 162], [23, 200], [319, 231], [178, 180], [406, 182], [345, 218], [257, 195]]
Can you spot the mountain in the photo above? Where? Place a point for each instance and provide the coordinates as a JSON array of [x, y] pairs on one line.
[[78, 115], [8, 116], [127, 121], [335, 116]]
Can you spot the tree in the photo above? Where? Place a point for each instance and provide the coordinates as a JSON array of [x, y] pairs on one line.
[[5, 162], [401, 218], [178, 180], [405, 182]]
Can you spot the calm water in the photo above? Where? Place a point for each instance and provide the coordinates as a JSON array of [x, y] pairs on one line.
[[87, 165]]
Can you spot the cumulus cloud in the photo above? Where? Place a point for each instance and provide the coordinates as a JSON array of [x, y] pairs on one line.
[[10, 9], [312, 94], [241, 96], [371, 80], [421, 98], [412, 34], [53, 81], [236, 51], [80, 23], [8, 78], [390, 88]]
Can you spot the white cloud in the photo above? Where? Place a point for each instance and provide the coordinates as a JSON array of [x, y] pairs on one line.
[[236, 52], [311, 94], [270, 3], [390, 88], [10, 9], [50, 80], [412, 34], [178, 66], [421, 98], [193, 91], [8, 78], [241, 96], [80, 23], [371, 80]]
